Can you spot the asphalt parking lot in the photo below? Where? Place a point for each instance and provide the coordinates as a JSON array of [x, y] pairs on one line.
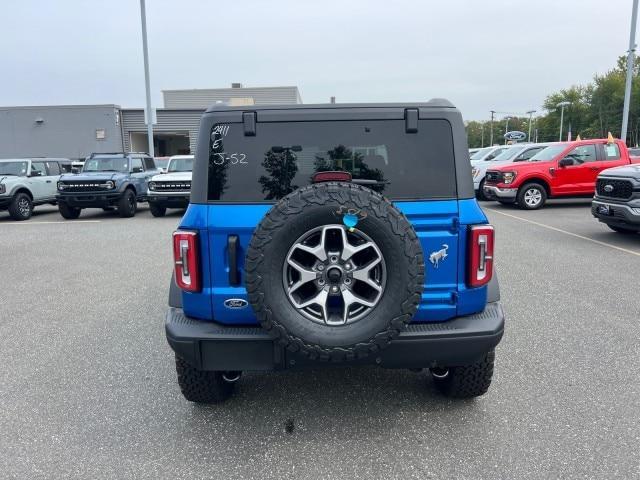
[[88, 387]]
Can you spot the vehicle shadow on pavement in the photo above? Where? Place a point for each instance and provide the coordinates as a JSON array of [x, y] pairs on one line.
[[42, 211], [337, 402]]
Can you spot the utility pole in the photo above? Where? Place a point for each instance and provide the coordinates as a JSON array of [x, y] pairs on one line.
[[561, 105], [530, 112], [506, 127], [143, 18], [630, 62], [493, 112]]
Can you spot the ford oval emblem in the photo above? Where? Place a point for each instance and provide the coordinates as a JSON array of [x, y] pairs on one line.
[[235, 303], [515, 135]]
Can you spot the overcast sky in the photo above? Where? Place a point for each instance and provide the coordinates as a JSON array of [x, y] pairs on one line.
[[481, 55]]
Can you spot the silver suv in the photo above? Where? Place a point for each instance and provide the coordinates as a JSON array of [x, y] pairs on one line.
[[173, 188], [26, 182]]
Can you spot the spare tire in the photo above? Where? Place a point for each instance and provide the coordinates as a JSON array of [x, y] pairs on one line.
[[334, 271]]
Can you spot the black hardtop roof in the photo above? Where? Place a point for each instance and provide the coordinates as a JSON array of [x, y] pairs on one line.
[[433, 103], [123, 154]]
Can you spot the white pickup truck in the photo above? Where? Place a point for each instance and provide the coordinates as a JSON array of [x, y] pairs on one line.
[[26, 182], [173, 188]]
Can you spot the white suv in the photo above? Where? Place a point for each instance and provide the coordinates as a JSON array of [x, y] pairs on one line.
[[26, 182], [173, 188]]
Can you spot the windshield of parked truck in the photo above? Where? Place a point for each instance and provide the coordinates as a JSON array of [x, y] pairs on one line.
[[181, 165], [548, 153], [107, 164], [161, 162], [19, 169], [481, 153], [509, 154]]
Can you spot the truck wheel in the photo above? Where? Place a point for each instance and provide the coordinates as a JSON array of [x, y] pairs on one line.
[[70, 213], [480, 195], [202, 386], [21, 207], [334, 271], [157, 210], [466, 381], [624, 231], [127, 204], [531, 196]]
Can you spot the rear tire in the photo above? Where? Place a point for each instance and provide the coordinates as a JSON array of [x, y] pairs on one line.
[[21, 207], [157, 210], [624, 231], [531, 196], [201, 386], [467, 381], [127, 205], [67, 212]]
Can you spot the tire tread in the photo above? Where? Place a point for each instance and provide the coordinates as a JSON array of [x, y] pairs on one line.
[[468, 381], [202, 386]]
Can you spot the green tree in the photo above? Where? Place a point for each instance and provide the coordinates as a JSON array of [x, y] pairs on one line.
[[595, 109]]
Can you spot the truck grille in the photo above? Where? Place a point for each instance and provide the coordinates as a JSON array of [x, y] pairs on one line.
[[168, 186], [614, 188], [84, 186], [493, 177]]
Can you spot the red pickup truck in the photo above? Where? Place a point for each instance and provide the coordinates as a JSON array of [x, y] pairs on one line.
[[567, 169]]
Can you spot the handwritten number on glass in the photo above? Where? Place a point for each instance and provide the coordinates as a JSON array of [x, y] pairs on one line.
[[232, 159]]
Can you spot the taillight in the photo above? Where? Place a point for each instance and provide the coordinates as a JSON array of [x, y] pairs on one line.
[[480, 255], [186, 260]]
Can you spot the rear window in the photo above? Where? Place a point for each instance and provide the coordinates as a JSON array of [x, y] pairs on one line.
[[284, 156]]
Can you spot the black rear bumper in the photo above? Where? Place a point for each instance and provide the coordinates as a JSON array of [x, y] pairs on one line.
[[211, 346]]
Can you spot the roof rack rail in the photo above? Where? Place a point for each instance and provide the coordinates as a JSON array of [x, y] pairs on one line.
[[93, 154]]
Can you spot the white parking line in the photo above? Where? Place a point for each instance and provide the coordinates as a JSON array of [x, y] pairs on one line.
[[50, 223], [555, 229]]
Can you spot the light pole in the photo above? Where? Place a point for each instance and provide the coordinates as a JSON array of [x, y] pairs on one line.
[[530, 112], [561, 105], [493, 112], [145, 54], [630, 62]]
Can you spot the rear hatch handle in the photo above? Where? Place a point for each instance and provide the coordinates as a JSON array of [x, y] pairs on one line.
[[232, 251]]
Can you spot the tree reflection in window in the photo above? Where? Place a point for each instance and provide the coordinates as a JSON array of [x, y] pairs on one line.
[[281, 163], [341, 158]]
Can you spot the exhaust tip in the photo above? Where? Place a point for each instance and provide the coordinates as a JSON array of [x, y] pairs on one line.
[[231, 377], [440, 373]]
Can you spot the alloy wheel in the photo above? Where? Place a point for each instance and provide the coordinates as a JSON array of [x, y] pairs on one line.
[[333, 275]]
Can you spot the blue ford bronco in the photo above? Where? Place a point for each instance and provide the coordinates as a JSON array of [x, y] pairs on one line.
[[107, 181], [323, 235]]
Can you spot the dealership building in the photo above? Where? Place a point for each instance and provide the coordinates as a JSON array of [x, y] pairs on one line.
[[75, 131]]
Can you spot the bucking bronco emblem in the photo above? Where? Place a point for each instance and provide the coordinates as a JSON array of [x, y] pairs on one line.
[[439, 255]]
